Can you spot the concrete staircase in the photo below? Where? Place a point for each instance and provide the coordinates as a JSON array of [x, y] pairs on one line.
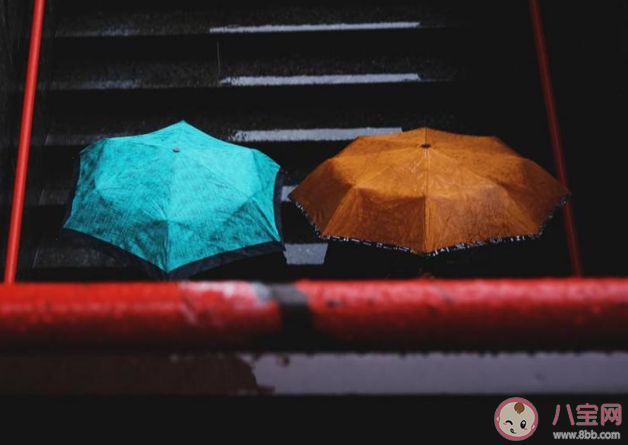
[[298, 83]]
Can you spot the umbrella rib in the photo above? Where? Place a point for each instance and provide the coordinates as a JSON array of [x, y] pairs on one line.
[[271, 224], [337, 210], [169, 221]]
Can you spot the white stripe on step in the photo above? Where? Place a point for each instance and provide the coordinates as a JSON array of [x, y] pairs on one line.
[[306, 254], [328, 79], [316, 134], [314, 27], [285, 191], [284, 135]]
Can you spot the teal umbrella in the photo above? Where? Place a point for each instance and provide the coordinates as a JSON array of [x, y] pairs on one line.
[[177, 200]]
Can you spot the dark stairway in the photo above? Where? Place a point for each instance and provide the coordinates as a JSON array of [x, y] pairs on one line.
[[298, 83]]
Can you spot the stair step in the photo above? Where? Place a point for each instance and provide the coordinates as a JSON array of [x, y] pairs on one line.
[[418, 28], [264, 99], [62, 260], [257, 20], [56, 255], [251, 72], [59, 260]]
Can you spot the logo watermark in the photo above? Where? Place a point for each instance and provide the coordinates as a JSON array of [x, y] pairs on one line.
[[516, 419]]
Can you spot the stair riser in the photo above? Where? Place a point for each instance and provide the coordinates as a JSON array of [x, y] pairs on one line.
[[233, 98]]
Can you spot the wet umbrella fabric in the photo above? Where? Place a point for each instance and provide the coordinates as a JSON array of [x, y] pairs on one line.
[[427, 191], [177, 201]]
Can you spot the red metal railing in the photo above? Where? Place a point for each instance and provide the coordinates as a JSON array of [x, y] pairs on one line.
[[21, 169], [554, 129], [421, 314]]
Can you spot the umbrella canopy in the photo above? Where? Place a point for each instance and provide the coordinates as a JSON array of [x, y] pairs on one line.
[[427, 191], [177, 200]]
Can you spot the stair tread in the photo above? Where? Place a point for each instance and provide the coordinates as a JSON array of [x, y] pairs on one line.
[[252, 71], [54, 254], [125, 23]]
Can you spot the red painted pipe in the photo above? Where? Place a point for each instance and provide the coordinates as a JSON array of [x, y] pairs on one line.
[[21, 169], [421, 314], [554, 129], [540, 313], [139, 314]]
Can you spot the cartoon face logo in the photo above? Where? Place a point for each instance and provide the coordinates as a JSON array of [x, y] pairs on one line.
[[516, 419]]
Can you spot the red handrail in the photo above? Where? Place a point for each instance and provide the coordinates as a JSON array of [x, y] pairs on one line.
[[554, 129], [421, 314], [21, 170]]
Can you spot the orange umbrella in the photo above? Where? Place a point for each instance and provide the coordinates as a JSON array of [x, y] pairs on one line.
[[427, 191]]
